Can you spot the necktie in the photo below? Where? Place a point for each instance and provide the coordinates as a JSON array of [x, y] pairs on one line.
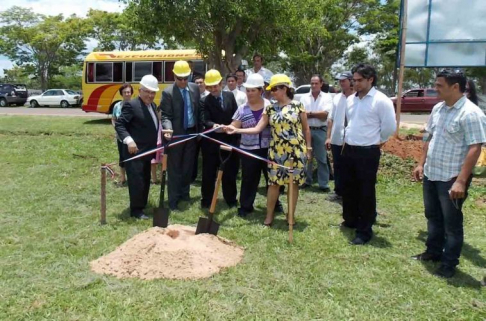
[[220, 102], [187, 106]]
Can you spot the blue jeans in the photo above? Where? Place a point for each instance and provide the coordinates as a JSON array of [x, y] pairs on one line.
[[320, 154], [444, 221]]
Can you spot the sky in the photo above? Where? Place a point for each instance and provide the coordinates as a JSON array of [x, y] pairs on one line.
[[55, 7]]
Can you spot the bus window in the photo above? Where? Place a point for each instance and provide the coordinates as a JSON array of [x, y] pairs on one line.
[[157, 70], [90, 71], [128, 72], [169, 75], [141, 69], [118, 72], [104, 72], [199, 67]]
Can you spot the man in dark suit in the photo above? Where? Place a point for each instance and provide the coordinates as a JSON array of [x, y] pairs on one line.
[[219, 107], [137, 127], [180, 112]]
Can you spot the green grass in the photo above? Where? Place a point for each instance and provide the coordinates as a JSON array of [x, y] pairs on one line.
[[49, 232]]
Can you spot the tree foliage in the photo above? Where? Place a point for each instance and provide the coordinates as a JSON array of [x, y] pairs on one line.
[[42, 42]]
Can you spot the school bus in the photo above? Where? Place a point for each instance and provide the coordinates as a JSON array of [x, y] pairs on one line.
[[105, 72]]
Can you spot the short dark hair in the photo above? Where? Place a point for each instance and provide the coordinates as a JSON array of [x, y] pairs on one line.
[[257, 55], [366, 71], [228, 76], [454, 77], [123, 87], [289, 92], [196, 77], [318, 76], [239, 70]]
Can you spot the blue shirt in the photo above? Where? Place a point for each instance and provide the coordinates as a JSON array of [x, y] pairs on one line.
[[453, 130], [187, 98]]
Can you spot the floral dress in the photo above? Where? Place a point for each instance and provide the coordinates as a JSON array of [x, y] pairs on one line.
[[287, 141]]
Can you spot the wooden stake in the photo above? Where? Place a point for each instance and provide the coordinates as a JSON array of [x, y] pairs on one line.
[[402, 64], [290, 201], [103, 195]]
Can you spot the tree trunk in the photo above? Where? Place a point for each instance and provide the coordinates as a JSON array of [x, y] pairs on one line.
[[483, 84]]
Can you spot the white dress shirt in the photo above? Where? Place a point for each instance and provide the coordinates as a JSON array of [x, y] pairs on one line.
[[322, 103], [204, 94], [264, 72], [337, 116], [240, 96], [371, 120]]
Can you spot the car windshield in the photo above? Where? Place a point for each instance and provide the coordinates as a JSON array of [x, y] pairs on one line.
[[71, 92]]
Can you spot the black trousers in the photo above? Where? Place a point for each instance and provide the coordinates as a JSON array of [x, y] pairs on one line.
[[211, 164], [251, 170], [359, 169], [196, 160], [180, 166], [337, 162], [138, 177]]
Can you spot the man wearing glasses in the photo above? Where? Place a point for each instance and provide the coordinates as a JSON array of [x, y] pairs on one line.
[[137, 128], [180, 112]]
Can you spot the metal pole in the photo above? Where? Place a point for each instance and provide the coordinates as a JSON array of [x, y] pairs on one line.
[[103, 195], [402, 64]]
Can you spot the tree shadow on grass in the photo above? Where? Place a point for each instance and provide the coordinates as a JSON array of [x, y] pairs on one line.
[[469, 252], [101, 121]]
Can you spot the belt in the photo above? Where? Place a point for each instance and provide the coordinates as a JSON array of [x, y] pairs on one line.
[[362, 147], [318, 128]]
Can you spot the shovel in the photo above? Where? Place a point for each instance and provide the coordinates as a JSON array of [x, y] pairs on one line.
[[208, 225], [161, 215]]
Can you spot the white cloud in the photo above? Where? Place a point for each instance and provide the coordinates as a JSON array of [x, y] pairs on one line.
[[4, 64], [65, 7]]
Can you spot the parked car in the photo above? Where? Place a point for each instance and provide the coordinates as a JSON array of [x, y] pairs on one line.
[[301, 91], [55, 97], [418, 100], [12, 94]]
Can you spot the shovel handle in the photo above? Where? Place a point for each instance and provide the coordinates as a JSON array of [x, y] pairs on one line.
[[290, 198], [167, 131], [216, 191], [226, 148], [164, 162]]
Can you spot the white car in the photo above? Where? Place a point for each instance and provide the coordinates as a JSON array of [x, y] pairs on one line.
[[55, 97], [301, 91]]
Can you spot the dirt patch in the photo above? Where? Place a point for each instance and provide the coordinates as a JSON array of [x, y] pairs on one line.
[[405, 147], [174, 252]]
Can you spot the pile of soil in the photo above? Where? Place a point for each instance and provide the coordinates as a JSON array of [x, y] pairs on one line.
[[405, 147], [174, 252]]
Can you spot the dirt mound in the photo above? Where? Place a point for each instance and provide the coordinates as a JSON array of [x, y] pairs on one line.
[[174, 252], [408, 147]]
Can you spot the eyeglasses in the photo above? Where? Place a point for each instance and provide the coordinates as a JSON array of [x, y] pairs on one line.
[[148, 91], [182, 78], [274, 89]]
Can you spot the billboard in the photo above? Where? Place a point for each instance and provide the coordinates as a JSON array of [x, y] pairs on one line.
[[446, 33]]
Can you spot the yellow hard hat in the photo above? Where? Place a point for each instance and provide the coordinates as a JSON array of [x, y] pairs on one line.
[[181, 69], [279, 79], [213, 77]]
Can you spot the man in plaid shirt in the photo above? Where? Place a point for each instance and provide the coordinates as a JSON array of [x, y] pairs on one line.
[[456, 128]]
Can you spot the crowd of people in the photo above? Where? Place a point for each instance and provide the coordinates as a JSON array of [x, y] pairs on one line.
[[256, 112]]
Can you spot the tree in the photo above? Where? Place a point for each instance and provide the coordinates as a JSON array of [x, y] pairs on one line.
[[223, 31], [117, 31], [42, 42], [20, 75], [69, 77]]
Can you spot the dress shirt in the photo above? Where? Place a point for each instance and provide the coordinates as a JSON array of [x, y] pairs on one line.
[[371, 120], [322, 103], [337, 116], [453, 130], [187, 97], [264, 72], [129, 139]]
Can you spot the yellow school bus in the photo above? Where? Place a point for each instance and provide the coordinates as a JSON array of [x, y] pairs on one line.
[[105, 72]]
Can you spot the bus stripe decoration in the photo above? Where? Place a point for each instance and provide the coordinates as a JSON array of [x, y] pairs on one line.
[[107, 95], [94, 98]]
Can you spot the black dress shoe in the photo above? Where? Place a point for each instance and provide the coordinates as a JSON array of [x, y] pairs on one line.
[[278, 207], [426, 257], [345, 224], [204, 205], [358, 241], [140, 216], [325, 189], [445, 271], [304, 186], [242, 212], [232, 204]]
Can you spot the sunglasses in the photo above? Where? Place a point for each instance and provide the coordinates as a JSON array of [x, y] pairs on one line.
[[274, 89], [182, 78]]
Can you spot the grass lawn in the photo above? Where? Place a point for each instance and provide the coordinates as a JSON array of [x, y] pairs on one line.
[[49, 232]]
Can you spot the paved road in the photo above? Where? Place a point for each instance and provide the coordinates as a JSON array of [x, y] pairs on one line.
[[50, 111]]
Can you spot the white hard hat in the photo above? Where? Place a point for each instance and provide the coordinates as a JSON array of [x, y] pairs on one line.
[[254, 81], [150, 82]]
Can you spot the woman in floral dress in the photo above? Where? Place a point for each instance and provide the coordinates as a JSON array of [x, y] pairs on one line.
[[290, 136]]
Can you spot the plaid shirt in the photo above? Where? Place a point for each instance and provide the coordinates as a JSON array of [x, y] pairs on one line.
[[453, 130], [250, 141]]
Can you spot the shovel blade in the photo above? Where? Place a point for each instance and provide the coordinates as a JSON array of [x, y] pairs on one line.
[[205, 225], [161, 217]]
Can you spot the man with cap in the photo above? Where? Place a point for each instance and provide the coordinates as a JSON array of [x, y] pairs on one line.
[[181, 113], [336, 123], [137, 127], [219, 107]]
